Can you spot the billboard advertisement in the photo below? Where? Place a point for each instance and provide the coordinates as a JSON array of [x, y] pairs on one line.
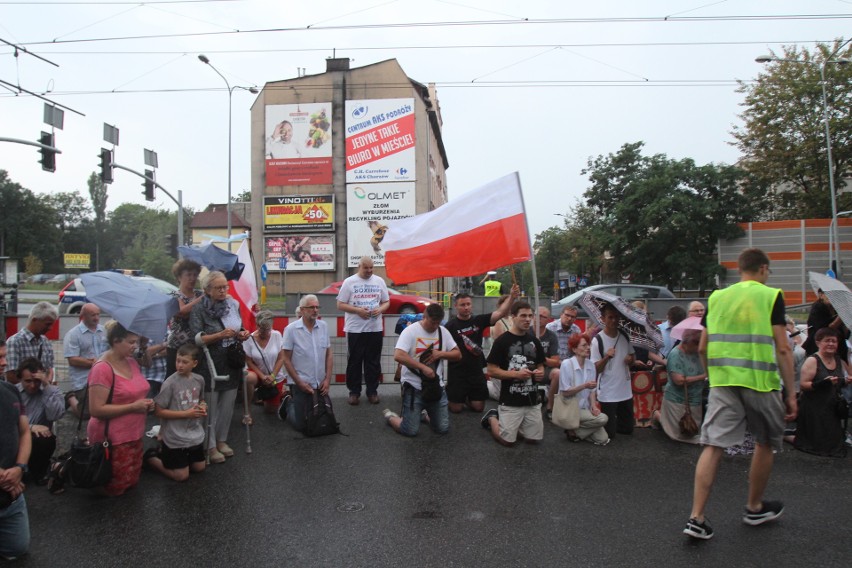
[[368, 207], [298, 213], [380, 140], [299, 253], [298, 144]]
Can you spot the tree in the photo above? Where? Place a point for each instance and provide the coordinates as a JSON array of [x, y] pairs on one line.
[[244, 195], [660, 218], [98, 195], [137, 236], [783, 136], [28, 225]]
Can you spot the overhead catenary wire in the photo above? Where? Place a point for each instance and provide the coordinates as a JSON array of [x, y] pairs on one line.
[[461, 23]]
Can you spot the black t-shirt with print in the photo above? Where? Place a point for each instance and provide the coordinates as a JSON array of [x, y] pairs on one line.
[[468, 336], [513, 352]]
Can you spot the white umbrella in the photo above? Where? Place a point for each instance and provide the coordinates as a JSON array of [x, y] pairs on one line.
[[837, 293]]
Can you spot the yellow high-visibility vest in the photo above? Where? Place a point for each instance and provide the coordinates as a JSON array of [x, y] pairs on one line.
[[741, 348], [492, 288]]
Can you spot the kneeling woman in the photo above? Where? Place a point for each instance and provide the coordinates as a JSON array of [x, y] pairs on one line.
[[686, 378], [577, 377], [820, 429], [125, 412]]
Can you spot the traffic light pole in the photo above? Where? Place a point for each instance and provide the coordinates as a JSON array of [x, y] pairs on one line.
[[178, 201], [51, 149]]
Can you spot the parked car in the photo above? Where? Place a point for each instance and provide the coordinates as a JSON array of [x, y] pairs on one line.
[[629, 292], [39, 278], [61, 279], [399, 303], [73, 295]]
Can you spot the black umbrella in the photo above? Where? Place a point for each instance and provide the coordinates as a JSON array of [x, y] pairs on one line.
[[641, 331]]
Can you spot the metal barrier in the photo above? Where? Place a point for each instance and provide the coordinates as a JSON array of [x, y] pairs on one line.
[[335, 330]]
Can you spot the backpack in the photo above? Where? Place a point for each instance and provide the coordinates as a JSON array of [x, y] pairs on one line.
[[319, 417], [599, 341]]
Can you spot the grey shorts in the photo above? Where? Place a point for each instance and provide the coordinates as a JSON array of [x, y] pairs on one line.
[[731, 409]]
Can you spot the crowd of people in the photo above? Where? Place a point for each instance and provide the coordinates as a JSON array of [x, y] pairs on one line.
[[537, 371]]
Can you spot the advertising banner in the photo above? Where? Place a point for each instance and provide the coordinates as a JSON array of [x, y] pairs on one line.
[[298, 212], [298, 144], [368, 207], [76, 260], [380, 140], [302, 253]]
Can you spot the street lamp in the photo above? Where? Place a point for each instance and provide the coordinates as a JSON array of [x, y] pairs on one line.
[[833, 252], [203, 58]]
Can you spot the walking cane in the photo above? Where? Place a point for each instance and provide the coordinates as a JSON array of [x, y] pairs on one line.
[[212, 394], [246, 414]]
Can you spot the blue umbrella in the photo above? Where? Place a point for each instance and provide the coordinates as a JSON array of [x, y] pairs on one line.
[[214, 258], [135, 304]]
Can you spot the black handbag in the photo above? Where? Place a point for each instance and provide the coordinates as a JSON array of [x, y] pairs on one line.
[[235, 355], [430, 388], [90, 465]]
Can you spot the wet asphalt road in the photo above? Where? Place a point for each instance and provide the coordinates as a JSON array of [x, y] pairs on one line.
[[374, 498]]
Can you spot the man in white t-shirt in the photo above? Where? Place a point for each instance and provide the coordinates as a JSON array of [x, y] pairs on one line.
[[421, 349], [612, 355], [363, 297]]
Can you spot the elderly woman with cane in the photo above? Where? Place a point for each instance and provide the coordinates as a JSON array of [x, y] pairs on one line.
[[217, 318]]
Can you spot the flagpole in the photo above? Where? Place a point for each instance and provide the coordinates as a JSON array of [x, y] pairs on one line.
[[532, 252]]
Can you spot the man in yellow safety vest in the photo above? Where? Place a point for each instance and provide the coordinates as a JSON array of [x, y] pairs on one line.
[[744, 346]]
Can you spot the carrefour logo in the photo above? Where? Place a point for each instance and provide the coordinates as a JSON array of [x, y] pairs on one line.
[[359, 112], [401, 172], [360, 193]]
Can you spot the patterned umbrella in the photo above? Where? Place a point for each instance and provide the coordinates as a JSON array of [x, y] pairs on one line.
[[838, 294], [641, 331]]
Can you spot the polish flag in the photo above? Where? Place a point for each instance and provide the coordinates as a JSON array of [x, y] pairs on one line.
[[244, 290], [482, 230]]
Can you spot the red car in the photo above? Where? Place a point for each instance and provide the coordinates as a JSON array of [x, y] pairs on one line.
[[399, 303]]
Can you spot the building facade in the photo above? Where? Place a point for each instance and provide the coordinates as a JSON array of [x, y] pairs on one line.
[[334, 157]]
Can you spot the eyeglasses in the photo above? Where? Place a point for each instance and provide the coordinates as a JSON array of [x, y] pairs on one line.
[[310, 308], [221, 288]]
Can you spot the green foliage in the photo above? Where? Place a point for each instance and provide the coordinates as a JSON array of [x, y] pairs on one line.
[[783, 137], [138, 238], [32, 265], [659, 218], [28, 225]]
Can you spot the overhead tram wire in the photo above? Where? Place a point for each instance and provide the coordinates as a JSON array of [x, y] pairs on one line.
[[462, 23], [439, 84], [449, 46]]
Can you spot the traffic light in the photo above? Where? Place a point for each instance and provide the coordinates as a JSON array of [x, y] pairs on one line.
[[106, 165], [170, 243], [48, 156], [149, 185]]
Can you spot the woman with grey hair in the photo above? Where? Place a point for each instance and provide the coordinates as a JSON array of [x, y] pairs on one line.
[[265, 360], [217, 318]]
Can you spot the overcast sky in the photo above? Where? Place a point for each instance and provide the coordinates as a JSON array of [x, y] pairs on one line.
[[536, 86]]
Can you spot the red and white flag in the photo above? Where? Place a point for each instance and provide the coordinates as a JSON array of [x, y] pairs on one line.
[[482, 230], [244, 290]]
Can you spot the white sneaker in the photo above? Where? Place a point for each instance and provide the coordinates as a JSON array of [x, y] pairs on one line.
[[388, 414]]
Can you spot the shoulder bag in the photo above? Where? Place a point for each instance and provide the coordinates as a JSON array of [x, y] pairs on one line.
[[264, 392], [566, 410], [235, 355], [430, 388], [90, 465]]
